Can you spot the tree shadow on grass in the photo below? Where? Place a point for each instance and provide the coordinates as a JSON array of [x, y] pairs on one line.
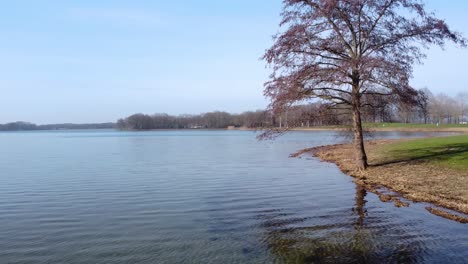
[[436, 153]]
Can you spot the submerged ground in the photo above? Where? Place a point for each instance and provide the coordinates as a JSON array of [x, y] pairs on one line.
[[431, 169]]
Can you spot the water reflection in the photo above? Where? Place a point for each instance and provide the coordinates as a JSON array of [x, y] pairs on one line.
[[200, 197], [360, 205], [353, 239]]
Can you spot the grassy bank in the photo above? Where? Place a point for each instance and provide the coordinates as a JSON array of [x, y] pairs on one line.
[[449, 152], [394, 127], [431, 170], [416, 127]]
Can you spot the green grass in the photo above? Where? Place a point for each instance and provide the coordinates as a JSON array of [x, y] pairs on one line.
[[397, 126], [451, 151], [403, 125]]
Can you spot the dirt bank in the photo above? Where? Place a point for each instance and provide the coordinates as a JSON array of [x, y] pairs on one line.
[[415, 180]]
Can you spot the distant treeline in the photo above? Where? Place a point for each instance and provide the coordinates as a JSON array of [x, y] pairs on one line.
[[315, 114], [423, 108], [25, 126], [215, 119]]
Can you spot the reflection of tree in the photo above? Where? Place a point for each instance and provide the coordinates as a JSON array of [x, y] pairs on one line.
[[360, 205], [347, 240]]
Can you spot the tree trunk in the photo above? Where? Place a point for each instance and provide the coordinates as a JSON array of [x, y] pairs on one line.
[[359, 151]]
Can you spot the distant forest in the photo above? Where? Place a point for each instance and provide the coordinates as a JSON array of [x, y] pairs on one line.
[[424, 108], [26, 126]]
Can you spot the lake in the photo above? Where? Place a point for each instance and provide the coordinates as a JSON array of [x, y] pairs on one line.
[[106, 196]]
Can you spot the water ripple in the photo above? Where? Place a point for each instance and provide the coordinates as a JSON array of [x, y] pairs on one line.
[[200, 197]]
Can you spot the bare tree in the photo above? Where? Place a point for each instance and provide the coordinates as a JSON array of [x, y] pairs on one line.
[[423, 98], [462, 98], [342, 50]]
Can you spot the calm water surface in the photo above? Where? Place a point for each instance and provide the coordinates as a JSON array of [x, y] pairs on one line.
[[200, 197]]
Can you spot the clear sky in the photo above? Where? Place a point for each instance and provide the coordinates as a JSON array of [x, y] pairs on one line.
[[96, 61]]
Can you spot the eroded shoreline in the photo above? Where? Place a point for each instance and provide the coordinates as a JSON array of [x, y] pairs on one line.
[[414, 180]]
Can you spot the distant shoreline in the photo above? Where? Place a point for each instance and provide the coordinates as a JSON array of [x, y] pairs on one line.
[[392, 129], [302, 129], [373, 129]]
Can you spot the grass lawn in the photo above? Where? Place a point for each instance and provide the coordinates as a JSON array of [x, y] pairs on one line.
[[451, 152], [396, 127]]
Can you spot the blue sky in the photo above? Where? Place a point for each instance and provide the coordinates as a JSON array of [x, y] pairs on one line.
[[97, 61]]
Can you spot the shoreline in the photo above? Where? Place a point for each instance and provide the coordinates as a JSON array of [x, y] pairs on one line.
[[412, 180], [300, 129], [373, 129], [390, 129]]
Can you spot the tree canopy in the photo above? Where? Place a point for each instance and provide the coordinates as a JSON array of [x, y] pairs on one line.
[[344, 50]]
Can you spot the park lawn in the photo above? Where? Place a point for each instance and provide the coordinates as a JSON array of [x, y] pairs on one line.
[[450, 152]]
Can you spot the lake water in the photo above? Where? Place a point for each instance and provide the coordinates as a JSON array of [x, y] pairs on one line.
[[200, 197]]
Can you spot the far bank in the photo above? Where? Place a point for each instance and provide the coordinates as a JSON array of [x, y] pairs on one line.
[[396, 127]]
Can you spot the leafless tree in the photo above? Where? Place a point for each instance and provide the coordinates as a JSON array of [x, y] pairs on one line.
[[423, 103], [462, 99], [342, 50]]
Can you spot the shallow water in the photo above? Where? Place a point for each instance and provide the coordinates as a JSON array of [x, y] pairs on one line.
[[201, 197]]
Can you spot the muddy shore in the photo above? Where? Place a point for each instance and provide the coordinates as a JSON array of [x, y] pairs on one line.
[[416, 181]]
